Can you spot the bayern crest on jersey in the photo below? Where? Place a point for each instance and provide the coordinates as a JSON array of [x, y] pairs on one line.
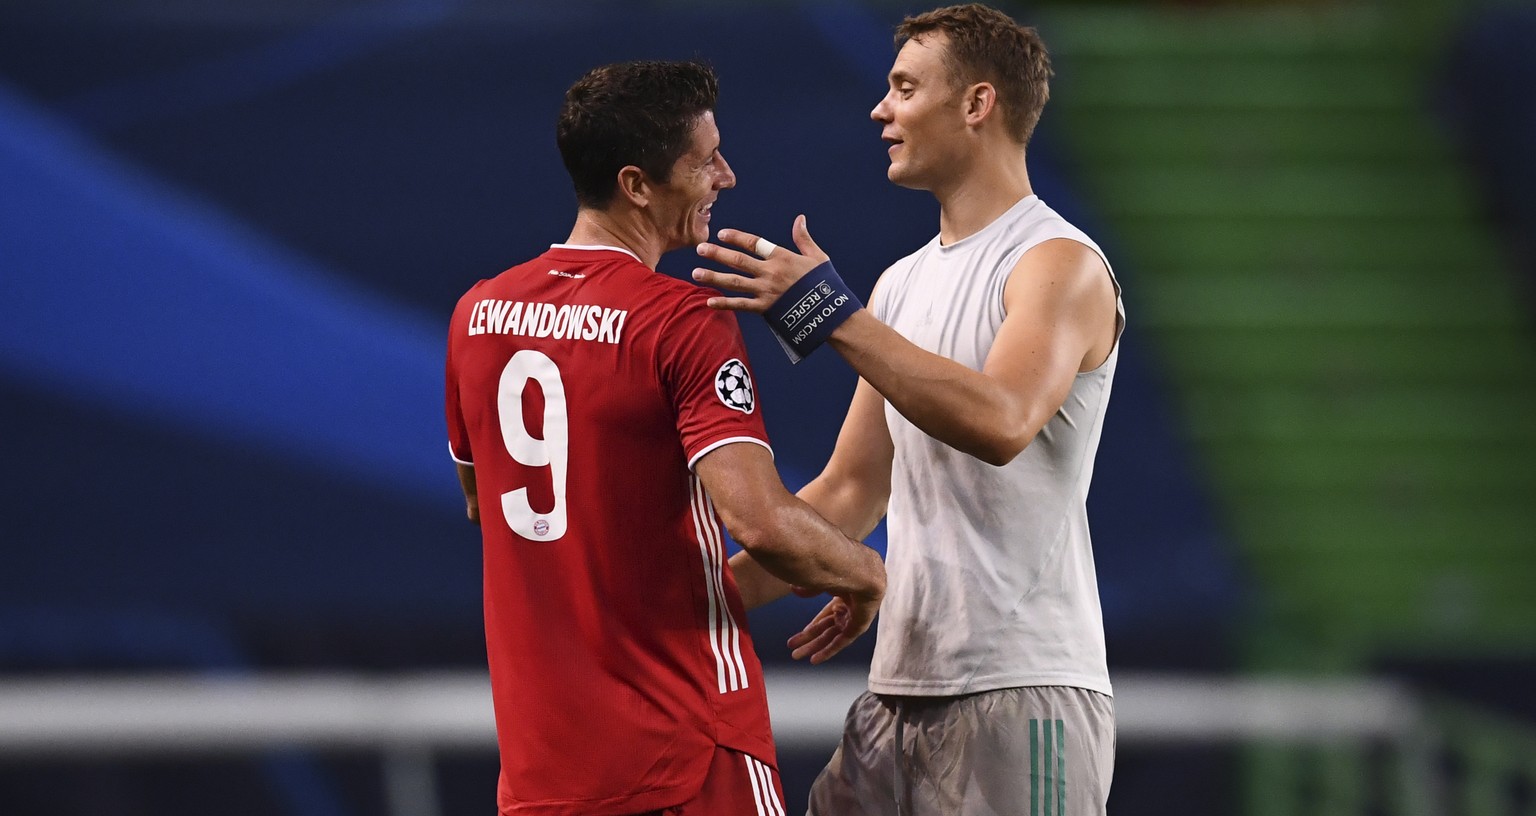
[[733, 385]]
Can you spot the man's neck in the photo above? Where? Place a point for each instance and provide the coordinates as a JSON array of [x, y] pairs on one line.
[[600, 228], [985, 191]]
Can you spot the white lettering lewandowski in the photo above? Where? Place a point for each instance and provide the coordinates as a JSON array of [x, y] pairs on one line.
[[532, 319]]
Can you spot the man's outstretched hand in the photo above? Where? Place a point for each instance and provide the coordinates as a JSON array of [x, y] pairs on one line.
[[761, 281], [838, 624]]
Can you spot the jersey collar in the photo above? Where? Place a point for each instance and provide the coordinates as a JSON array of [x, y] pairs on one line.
[[592, 247]]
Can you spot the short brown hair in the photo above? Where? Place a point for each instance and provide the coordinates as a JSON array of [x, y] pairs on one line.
[[986, 45], [630, 113]]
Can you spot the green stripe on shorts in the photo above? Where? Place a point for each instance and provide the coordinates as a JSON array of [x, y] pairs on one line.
[[1041, 768], [1034, 768], [1061, 767]]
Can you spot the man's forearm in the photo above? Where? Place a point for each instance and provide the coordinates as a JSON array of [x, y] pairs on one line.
[[962, 408], [853, 510], [846, 507], [757, 585], [802, 549]]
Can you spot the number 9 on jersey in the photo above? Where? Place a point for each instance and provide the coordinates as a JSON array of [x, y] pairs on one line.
[[552, 451]]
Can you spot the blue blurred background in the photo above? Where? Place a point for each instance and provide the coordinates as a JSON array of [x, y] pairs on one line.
[[231, 235]]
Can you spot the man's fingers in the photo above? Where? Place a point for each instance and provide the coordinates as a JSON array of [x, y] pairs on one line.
[[827, 617], [740, 238], [814, 650], [730, 257], [756, 300], [818, 624], [726, 280], [836, 626], [809, 634], [830, 650], [811, 630], [804, 241], [806, 643], [732, 304], [828, 644], [817, 645]]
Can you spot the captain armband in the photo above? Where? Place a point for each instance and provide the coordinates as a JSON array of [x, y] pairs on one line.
[[807, 313]]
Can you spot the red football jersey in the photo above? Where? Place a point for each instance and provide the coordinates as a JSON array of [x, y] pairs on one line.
[[583, 386]]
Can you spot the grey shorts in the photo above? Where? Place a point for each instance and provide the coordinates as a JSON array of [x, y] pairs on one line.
[[1034, 751]]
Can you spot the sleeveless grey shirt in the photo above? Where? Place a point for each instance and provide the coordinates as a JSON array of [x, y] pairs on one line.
[[991, 577]]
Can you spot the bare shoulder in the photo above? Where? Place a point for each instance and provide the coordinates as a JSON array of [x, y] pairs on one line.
[[1064, 284], [1064, 263]]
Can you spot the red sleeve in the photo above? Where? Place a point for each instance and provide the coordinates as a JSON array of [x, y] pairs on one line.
[[705, 368], [458, 432]]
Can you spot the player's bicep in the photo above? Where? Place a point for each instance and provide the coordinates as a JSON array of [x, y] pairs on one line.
[[1060, 313], [744, 486]]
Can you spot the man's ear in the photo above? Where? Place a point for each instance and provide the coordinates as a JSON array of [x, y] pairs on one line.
[[980, 101], [635, 185]]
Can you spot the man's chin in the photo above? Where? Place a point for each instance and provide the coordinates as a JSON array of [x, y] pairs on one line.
[[899, 176]]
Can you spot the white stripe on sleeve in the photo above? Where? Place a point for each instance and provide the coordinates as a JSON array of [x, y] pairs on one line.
[[697, 490], [734, 658]]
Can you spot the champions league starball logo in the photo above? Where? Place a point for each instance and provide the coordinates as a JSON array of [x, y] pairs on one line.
[[733, 385]]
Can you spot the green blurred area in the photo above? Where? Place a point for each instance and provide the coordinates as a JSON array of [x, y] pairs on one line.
[[1339, 325]]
